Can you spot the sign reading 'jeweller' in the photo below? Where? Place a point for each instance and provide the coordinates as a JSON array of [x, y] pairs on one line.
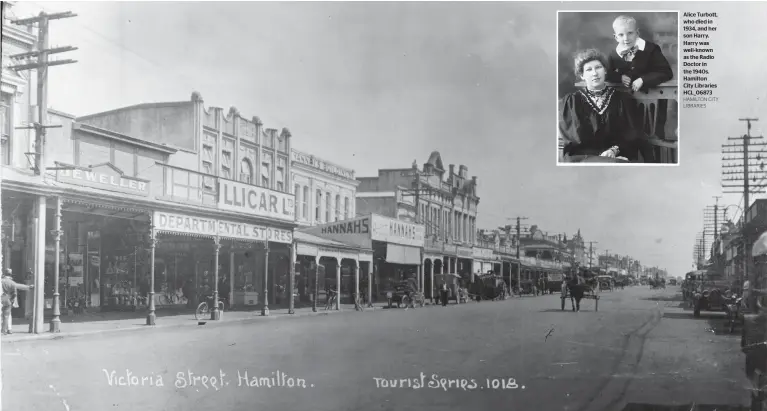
[[103, 176], [257, 201]]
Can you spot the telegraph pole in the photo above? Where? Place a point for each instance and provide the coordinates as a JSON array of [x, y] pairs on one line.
[[41, 63], [416, 190], [711, 218], [740, 158], [697, 250]]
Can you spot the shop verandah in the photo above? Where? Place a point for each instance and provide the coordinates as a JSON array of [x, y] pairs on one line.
[[102, 257], [323, 265]]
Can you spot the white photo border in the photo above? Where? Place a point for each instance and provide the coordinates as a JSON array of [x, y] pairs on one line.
[[679, 85]]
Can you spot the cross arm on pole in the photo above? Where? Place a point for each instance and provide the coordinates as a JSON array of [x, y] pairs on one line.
[[43, 16]]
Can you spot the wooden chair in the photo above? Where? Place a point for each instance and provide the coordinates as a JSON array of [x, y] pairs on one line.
[[664, 141]]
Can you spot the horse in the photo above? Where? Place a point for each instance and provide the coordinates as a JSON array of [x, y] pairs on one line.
[[576, 287]]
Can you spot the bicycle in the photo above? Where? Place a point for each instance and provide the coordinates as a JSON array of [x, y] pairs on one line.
[[169, 297], [203, 310], [331, 299], [413, 299]]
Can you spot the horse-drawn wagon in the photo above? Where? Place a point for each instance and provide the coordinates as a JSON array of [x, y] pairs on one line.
[[577, 288], [489, 286]]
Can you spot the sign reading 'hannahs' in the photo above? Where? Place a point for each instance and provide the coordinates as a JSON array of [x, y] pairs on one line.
[[258, 201], [397, 232], [348, 227], [104, 176], [362, 231]]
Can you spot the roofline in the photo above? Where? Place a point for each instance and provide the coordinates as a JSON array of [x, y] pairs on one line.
[[135, 106], [87, 128], [61, 113]]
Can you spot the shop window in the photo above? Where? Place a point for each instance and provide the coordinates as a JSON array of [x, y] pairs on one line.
[[317, 203], [328, 207], [226, 164], [338, 207], [246, 171], [125, 161], [346, 208], [297, 193], [305, 202], [6, 127]]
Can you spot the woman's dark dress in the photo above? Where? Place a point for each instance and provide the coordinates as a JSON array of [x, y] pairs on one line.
[[589, 124]]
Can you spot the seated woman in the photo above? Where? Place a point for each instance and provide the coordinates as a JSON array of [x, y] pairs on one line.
[[600, 123]]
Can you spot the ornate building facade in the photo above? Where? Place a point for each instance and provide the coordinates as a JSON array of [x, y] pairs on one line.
[[325, 192], [444, 200]]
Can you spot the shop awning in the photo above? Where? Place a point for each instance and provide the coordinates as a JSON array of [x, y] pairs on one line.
[[312, 245], [402, 254]]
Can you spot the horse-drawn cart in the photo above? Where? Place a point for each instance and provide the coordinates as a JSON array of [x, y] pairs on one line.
[[584, 290], [490, 286]]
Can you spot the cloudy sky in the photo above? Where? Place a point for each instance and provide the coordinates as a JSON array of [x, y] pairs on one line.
[[374, 85]]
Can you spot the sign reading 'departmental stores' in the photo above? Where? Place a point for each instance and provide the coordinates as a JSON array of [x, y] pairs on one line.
[[257, 201], [179, 223]]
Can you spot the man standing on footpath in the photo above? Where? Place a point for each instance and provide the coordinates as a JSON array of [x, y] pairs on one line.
[[10, 294]]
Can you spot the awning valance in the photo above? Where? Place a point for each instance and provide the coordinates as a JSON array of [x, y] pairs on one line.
[[402, 254]]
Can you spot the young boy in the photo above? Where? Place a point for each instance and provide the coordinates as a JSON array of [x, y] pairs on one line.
[[635, 62]]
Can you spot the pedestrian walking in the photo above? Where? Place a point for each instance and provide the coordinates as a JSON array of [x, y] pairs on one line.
[[443, 294], [9, 298]]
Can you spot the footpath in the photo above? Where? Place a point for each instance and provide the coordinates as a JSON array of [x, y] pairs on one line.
[[90, 323], [107, 322]]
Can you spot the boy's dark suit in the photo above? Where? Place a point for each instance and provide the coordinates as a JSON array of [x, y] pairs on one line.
[[649, 64]]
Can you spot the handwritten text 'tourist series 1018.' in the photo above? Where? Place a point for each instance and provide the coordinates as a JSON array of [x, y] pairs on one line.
[[442, 383]]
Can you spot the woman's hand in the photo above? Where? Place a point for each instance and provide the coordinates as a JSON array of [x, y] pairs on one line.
[[612, 152]]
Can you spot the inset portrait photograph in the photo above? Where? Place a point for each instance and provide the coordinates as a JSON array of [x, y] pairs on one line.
[[617, 95]]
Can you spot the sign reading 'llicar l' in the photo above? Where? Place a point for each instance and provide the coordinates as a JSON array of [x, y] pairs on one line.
[[257, 201]]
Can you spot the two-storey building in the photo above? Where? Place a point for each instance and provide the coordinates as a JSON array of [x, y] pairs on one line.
[[325, 194], [173, 194], [542, 256], [17, 96], [443, 201]]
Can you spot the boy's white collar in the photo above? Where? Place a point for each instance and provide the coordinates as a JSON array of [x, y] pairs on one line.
[[640, 43]]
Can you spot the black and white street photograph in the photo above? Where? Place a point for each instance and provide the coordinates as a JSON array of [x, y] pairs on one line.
[[330, 206], [618, 87]]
